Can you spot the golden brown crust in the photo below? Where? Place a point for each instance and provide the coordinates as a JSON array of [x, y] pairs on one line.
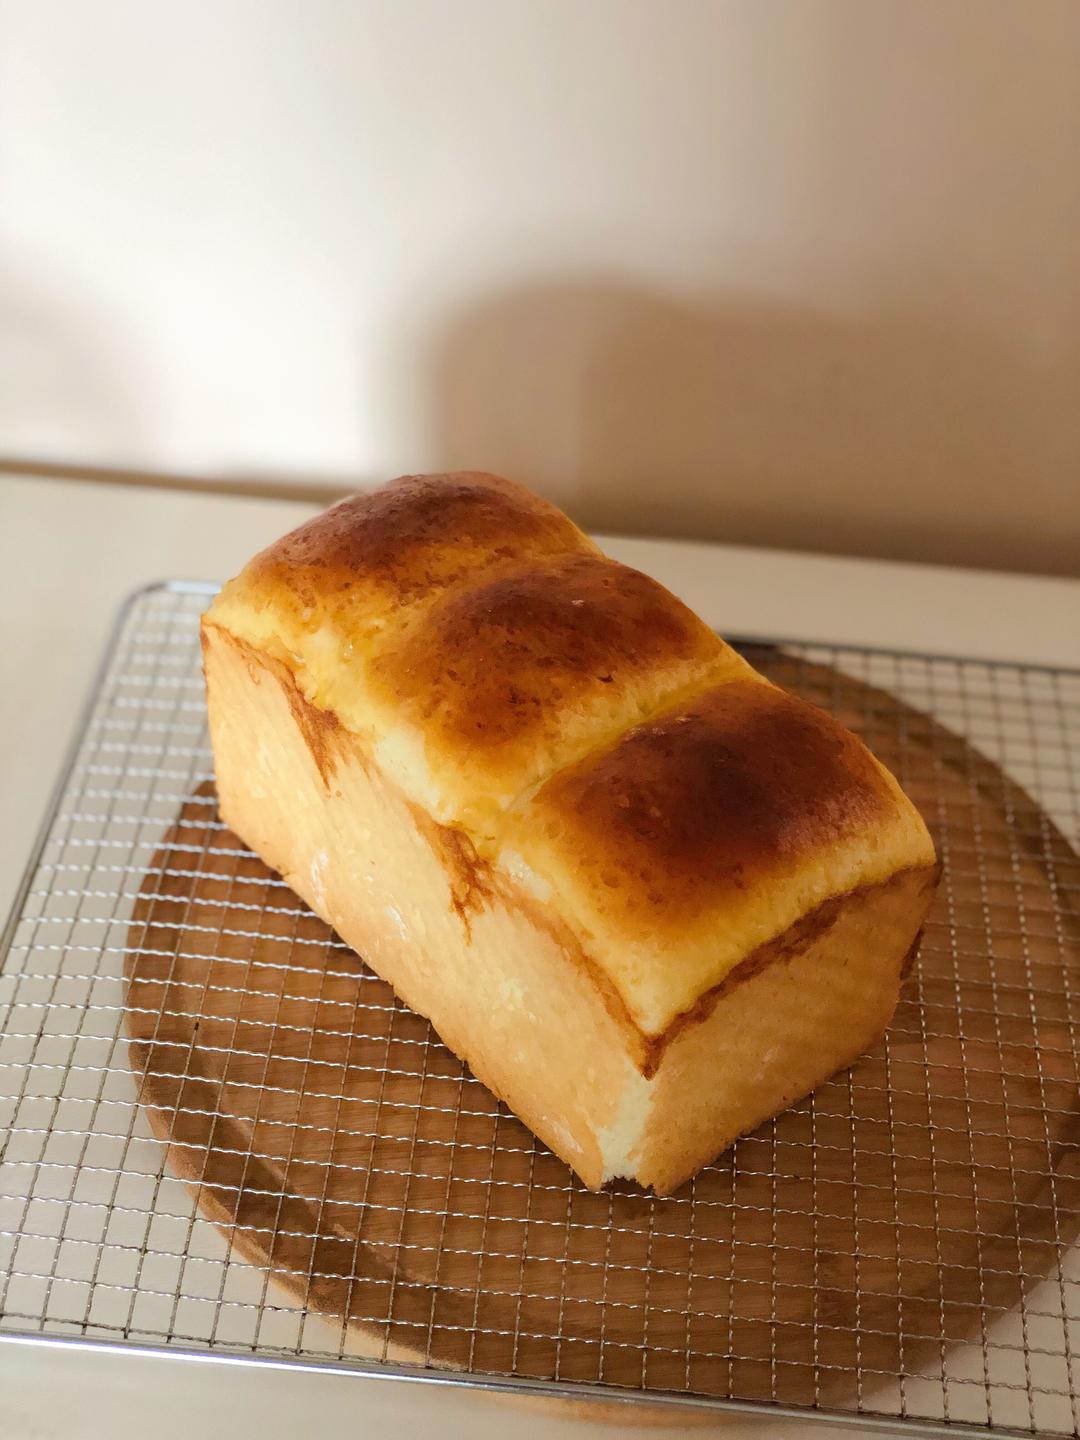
[[478, 644], [694, 809], [399, 544], [699, 836], [490, 671]]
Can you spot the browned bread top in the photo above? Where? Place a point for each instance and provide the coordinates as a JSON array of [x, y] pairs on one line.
[[702, 834], [511, 678], [471, 633], [585, 730], [358, 564]]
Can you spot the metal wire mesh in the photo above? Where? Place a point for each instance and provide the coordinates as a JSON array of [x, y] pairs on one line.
[[903, 1243]]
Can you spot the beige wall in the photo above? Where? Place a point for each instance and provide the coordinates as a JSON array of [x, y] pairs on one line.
[[799, 273]]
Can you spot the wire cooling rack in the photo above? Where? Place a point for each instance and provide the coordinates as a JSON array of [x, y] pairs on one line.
[[327, 1184]]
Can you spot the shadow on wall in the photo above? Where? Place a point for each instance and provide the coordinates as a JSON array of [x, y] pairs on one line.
[[891, 435]]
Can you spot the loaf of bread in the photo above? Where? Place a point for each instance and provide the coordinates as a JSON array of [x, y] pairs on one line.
[[650, 898]]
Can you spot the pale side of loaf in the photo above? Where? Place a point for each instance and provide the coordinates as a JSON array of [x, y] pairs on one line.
[[650, 898]]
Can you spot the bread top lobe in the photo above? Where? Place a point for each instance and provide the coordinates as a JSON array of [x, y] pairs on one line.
[[702, 834], [512, 678], [370, 558]]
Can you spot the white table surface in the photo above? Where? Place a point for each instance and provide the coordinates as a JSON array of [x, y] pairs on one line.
[[69, 553]]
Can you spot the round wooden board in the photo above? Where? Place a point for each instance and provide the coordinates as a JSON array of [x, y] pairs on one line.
[[843, 1246]]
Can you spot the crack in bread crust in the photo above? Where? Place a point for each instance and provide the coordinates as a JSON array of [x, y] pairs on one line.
[[323, 732], [470, 875]]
